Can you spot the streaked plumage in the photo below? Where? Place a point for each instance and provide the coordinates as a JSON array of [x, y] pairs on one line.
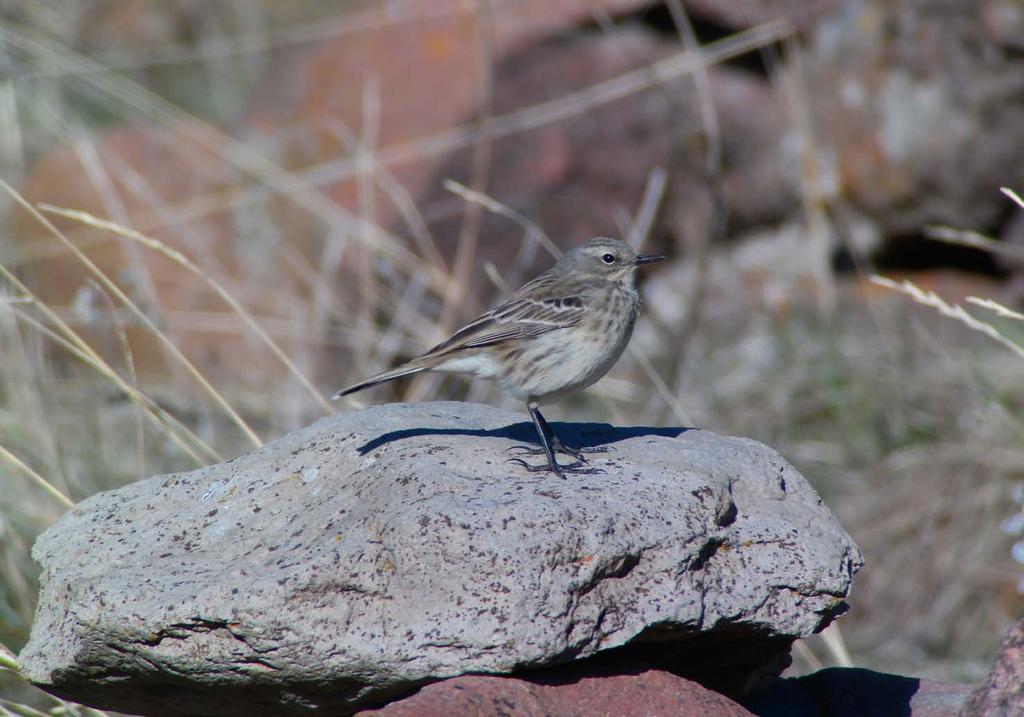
[[557, 334]]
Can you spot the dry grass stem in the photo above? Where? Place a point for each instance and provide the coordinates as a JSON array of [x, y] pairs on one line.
[[169, 425], [815, 188], [393, 189], [805, 653], [702, 80], [7, 659], [833, 638], [36, 478], [532, 230], [368, 296], [12, 149], [995, 307], [133, 378], [19, 710], [953, 311], [654, 193], [139, 314], [660, 386], [464, 263], [71, 341], [224, 294], [974, 240], [650, 203], [1013, 195], [102, 182], [491, 272]]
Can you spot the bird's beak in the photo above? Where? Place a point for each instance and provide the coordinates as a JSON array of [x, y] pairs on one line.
[[647, 259]]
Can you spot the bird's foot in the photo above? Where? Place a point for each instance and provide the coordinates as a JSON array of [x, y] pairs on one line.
[[578, 453], [579, 467]]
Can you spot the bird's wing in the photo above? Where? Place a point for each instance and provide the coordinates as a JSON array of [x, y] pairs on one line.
[[518, 318]]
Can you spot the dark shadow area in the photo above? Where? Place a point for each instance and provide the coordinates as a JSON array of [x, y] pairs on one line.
[[659, 19], [577, 435], [919, 253], [171, 695], [730, 661], [837, 692]]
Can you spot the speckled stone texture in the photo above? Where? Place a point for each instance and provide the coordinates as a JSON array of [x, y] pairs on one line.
[[375, 551], [1002, 695]]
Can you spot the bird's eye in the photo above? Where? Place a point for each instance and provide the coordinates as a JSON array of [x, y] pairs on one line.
[[608, 258]]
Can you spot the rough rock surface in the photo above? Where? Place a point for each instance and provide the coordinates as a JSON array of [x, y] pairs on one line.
[[1002, 695], [378, 550]]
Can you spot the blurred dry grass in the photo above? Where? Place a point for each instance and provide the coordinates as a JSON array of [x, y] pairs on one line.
[[906, 422]]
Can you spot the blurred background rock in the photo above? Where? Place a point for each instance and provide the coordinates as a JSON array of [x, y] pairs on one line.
[[336, 168]]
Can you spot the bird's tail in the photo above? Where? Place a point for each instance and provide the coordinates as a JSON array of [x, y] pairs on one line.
[[404, 370]]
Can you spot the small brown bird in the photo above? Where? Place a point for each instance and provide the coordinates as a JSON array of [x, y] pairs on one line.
[[557, 334]]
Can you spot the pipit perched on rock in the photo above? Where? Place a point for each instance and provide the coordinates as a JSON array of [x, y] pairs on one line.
[[557, 334]]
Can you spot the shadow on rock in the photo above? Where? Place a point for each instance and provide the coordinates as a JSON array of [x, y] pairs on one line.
[[577, 435], [854, 692]]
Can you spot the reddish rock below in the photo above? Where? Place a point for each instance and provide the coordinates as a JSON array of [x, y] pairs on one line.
[[652, 694], [833, 692], [1002, 695]]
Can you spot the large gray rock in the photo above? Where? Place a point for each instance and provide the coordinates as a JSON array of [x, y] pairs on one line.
[[381, 549]]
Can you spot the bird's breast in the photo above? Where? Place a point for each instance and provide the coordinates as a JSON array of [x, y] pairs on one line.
[[570, 359]]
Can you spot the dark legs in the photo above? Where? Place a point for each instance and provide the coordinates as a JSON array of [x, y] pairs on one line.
[[550, 444]]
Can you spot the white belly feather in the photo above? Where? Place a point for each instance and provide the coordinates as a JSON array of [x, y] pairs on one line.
[[556, 363]]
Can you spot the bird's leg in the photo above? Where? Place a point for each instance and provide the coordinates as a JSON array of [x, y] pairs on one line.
[[555, 443], [548, 442]]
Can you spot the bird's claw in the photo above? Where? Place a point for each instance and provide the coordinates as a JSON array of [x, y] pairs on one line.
[[525, 450], [529, 451], [578, 453], [577, 468]]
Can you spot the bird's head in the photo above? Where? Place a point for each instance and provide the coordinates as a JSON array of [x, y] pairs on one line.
[[605, 258]]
